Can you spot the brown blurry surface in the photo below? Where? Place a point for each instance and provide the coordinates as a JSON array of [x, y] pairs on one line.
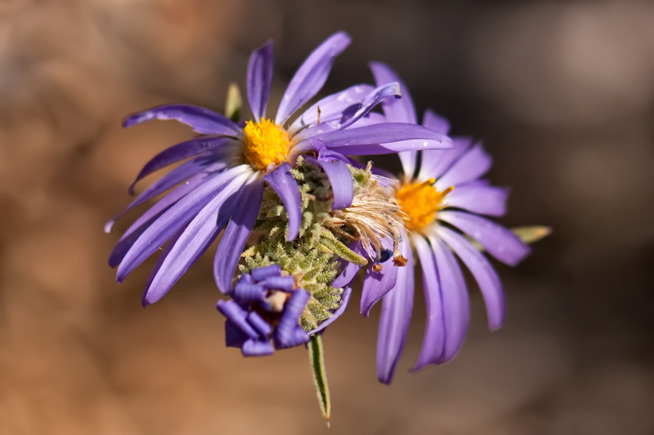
[[561, 92]]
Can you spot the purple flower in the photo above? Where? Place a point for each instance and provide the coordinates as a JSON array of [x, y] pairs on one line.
[[221, 185], [442, 196]]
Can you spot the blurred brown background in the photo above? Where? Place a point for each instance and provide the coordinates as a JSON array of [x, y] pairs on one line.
[[561, 92]]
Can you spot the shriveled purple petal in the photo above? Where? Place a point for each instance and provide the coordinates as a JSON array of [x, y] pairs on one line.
[[283, 283], [260, 73], [236, 235], [482, 270], [436, 162], [236, 315], [311, 76], [331, 107], [339, 177], [435, 122], [288, 332], [472, 165], [180, 152], [479, 198], [455, 300], [197, 237], [500, 242], [376, 285], [395, 318], [259, 324], [261, 273], [203, 121], [433, 343], [376, 96], [246, 293], [345, 299], [283, 183], [234, 337], [254, 347], [178, 215], [346, 276]]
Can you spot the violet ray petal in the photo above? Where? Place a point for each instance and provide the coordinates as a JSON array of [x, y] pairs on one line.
[[482, 199], [203, 121], [345, 300], [283, 183], [436, 162], [236, 235], [500, 242], [433, 343], [261, 273], [395, 318], [255, 347], [157, 266], [483, 272], [180, 152], [454, 294], [435, 122], [376, 285], [234, 337], [472, 165], [346, 276], [260, 325], [283, 283], [311, 75], [236, 315], [376, 96], [197, 237], [173, 219], [288, 332], [331, 107], [259, 79], [245, 293], [340, 179]]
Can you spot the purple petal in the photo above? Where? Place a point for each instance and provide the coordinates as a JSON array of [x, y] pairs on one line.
[[331, 107], [259, 324], [246, 293], [346, 276], [172, 220], [283, 283], [203, 121], [376, 285], [376, 96], [261, 273], [157, 266], [236, 315], [455, 301], [435, 122], [339, 177], [234, 337], [485, 275], [283, 183], [500, 242], [436, 162], [236, 235], [345, 299], [180, 152], [197, 237], [288, 332], [433, 343], [255, 347], [260, 73], [395, 318], [472, 165], [311, 76], [479, 198]]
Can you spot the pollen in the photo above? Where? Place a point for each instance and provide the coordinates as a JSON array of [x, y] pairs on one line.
[[420, 202], [265, 143]]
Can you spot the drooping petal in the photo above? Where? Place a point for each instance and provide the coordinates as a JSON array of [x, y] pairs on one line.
[[436, 162], [472, 165], [254, 347], [236, 235], [482, 270], [376, 285], [500, 242], [288, 332], [180, 152], [345, 299], [283, 283], [159, 263], [197, 237], [172, 220], [479, 198], [455, 299], [339, 177], [349, 270], [203, 121], [259, 79], [435, 122], [236, 315], [311, 75], [376, 96], [433, 343], [395, 318], [261, 273], [283, 183]]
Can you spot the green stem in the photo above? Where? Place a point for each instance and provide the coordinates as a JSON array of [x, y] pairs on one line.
[[317, 360]]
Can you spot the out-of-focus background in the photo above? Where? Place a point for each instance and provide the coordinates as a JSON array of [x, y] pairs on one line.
[[562, 94]]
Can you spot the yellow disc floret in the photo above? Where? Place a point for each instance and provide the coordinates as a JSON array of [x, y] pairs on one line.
[[420, 202], [265, 143]]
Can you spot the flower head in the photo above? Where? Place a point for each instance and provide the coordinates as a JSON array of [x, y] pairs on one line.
[[222, 184]]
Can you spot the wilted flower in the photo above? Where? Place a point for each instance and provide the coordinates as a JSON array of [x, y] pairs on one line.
[[223, 182]]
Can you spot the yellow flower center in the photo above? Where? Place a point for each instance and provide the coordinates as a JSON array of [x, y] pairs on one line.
[[265, 143], [420, 202]]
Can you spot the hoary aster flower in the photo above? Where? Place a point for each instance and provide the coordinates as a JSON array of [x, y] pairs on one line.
[[221, 184]]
